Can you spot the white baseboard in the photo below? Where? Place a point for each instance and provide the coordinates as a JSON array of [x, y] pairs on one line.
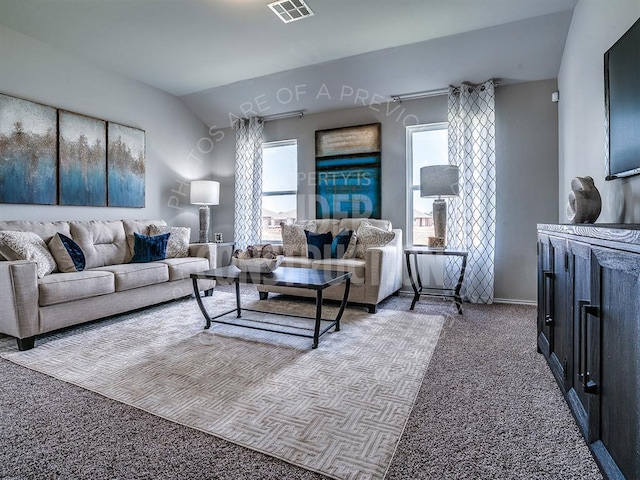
[[513, 301]]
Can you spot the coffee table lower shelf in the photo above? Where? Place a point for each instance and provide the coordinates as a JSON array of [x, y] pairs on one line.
[[316, 280]]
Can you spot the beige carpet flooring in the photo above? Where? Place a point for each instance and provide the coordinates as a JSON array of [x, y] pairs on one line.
[[339, 409]]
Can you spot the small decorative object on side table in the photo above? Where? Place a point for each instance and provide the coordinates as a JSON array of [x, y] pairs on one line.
[[416, 282]]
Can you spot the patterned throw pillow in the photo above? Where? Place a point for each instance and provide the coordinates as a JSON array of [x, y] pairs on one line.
[[67, 253], [178, 244], [27, 246], [149, 248], [350, 252], [294, 240], [370, 236]]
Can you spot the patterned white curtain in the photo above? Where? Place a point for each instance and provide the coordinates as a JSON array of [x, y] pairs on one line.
[[472, 215], [248, 181]]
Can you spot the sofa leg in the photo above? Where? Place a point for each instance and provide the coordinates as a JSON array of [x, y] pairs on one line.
[[263, 295], [372, 308], [208, 293], [26, 343]]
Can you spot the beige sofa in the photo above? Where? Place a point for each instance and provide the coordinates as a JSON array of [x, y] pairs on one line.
[[373, 279], [109, 285]]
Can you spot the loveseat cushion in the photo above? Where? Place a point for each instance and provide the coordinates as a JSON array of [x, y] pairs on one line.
[[65, 287], [103, 242], [354, 223], [181, 268], [297, 262], [134, 275], [356, 266]]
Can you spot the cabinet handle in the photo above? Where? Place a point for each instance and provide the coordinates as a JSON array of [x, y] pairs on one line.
[[547, 297], [588, 385]]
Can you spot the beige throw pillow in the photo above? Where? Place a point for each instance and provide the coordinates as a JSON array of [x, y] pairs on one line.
[[27, 246], [370, 236], [294, 241], [178, 244]]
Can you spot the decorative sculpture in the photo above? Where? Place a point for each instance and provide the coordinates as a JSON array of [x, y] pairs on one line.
[[585, 203]]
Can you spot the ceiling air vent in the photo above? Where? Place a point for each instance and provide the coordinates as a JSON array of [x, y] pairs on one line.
[[290, 10]]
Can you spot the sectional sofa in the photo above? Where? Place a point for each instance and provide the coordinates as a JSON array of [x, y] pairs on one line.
[[109, 284]]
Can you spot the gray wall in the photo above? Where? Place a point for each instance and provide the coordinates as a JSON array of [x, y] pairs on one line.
[[526, 156], [595, 27], [35, 71]]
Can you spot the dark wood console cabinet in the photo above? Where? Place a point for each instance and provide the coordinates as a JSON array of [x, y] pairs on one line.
[[589, 332]]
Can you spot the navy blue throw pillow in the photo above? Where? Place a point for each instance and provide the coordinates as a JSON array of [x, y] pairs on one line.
[[340, 243], [318, 245], [149, 249]]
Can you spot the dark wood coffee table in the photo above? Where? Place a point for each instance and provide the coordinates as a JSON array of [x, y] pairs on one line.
[[307, 278]]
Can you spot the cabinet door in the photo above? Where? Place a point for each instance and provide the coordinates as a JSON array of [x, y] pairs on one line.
[[554, 321], [579, 298], [612, 360]]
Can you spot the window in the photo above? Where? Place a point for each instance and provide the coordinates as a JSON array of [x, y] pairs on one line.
[[426, 145], [279, 187]]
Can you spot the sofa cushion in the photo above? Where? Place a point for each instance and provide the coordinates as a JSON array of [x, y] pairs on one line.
[[65, 287], [318, 245], [16, 245], [134, 275], [178, 244], [294, 241], [67, 253], [150, 248], [297, 262], [325, 225], [354, 265], [370, 236], [180, 268], [44, 230], [354, 223], [137, 226], [103, 242]]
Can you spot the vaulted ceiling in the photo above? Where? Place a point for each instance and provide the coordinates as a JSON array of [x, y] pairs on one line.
[[227, 56]]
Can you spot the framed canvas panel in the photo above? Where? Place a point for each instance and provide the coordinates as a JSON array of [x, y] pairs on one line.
[[348, 140], [126, 166], [348, 183], [348, 187], [28, 152], [83, 160]]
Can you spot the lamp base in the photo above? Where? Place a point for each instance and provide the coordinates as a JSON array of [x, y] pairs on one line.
[[440, 220], [204, 224]]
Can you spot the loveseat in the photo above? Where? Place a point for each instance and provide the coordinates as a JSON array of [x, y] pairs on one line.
[[109, 285], [375, 276]]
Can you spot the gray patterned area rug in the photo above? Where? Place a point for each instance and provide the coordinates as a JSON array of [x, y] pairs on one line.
[[338, 410]]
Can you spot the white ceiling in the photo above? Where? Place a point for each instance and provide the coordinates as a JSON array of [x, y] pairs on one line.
[[206, 49]]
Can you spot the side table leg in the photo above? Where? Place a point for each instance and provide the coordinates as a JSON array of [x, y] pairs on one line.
[[416, 293], [316, 330], [456, 294]]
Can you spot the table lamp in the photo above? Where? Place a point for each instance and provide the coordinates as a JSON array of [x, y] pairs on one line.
[[440, 181], [205, 193]]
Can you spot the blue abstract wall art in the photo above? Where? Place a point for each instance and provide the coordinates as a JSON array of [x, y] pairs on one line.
[[348, 183], [28, 155], [125, 166], [83, 160]]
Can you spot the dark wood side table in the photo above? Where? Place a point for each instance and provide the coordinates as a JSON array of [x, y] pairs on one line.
[[416, 282]]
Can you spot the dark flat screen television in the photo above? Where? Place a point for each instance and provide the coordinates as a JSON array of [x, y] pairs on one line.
[[622, 105]]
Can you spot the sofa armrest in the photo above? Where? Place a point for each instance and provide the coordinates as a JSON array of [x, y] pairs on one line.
[[204, 250], [19, 299], [384, 269]]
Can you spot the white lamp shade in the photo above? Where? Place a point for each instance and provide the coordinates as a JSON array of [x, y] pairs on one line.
[[439, 181], [205, 192]]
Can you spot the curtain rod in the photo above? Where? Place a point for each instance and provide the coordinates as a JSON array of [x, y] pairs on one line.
[[426, 94], [281, 116]]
